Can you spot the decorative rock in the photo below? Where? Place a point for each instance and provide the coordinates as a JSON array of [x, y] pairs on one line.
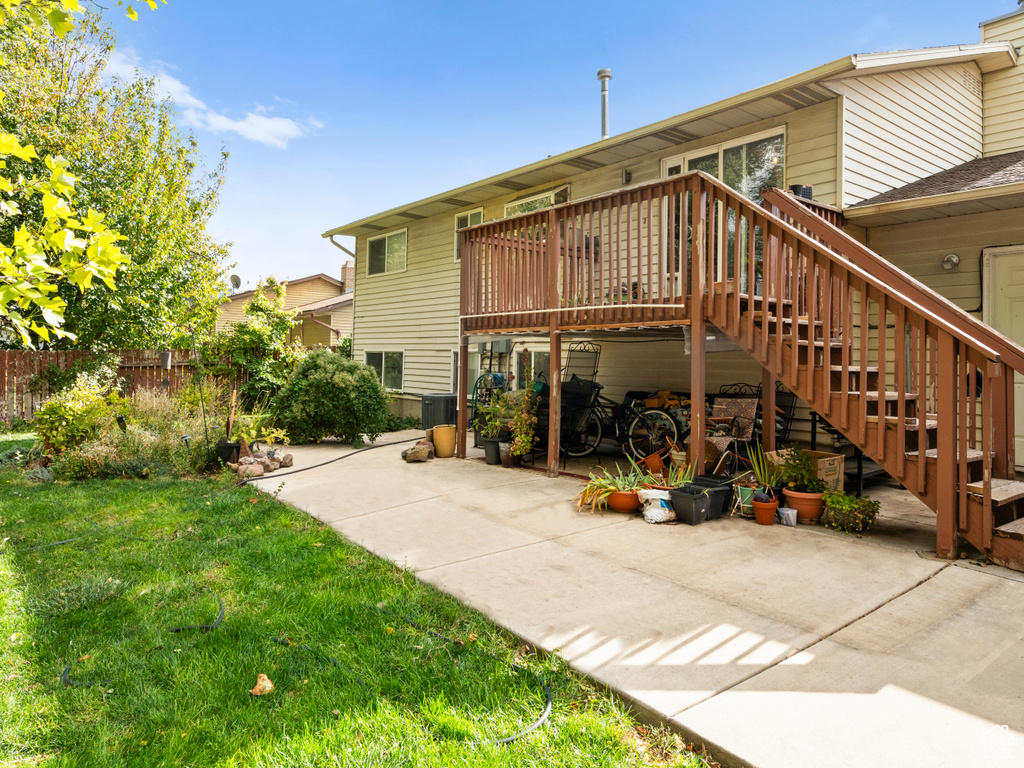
[[231, 465], [260, 455], [274, 465], [250, 470], [267, 464], [246, 460], [244, 451], [422, 451], [286, 460]]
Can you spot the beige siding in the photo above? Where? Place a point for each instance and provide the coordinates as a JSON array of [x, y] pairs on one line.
[[295, 295], [1004, 91], [416, 311], [903, 126], [919, 248]]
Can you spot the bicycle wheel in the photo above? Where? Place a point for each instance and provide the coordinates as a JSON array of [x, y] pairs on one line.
[[650, 432], [581, 432]]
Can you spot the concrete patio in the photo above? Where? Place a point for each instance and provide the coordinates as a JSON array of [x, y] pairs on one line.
[[773, 646]]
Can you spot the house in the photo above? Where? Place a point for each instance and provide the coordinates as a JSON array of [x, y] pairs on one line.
[[323, 306], [647, 242]]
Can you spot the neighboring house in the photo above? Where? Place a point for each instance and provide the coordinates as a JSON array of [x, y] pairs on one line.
[[323, 305], [861, 131]]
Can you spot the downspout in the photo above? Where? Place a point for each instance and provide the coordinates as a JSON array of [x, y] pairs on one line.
[[352, 333], [336, 244], [325, 325]]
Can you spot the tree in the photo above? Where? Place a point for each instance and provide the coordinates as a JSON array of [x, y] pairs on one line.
[[47, 241], [141, 171]]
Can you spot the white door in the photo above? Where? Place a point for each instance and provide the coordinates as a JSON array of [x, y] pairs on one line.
[[1004, 311]]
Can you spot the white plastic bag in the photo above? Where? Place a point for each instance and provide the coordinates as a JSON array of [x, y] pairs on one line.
[[657, 507]]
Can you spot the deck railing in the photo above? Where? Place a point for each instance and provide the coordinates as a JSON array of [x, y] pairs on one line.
[[890, 363]]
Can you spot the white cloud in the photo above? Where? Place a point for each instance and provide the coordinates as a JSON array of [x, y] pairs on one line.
[[255, 126]]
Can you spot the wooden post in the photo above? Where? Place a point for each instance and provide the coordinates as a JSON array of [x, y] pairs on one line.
[[947, 449], [698, 418], [767, 409], [462, 399], [555, 339]]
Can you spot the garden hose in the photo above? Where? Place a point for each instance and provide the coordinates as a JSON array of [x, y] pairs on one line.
[[248, 480], [544, 715]]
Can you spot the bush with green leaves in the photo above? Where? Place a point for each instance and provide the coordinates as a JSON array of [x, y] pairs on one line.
[[329, 395], [75, 415], [102, 366]]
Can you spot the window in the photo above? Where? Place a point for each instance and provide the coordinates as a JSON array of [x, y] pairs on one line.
[[467, 219], [532, 366], [747, 165], [538, 201], [390, 368], [386, 253]]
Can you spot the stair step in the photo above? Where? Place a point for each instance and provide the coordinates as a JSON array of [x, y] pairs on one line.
[[911, 425], [855, 369], [1003, 491], [1011, 530], [890, 397], [973, 455]]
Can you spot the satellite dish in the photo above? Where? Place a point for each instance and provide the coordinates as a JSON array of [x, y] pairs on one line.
[[236, 282]]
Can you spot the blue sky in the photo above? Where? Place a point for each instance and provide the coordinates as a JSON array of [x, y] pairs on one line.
[[338, 110]]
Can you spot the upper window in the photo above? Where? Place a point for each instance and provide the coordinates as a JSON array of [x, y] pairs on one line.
[[538, 201], [748, 165], [386, 253], [390, 368], [467, 219]]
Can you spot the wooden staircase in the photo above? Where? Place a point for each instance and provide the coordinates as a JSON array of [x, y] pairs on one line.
[[924, 389]]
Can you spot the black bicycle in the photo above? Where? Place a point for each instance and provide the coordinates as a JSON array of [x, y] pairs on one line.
[[639, 430]]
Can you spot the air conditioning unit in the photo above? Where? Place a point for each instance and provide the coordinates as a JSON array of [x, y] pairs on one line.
[[439, 408]]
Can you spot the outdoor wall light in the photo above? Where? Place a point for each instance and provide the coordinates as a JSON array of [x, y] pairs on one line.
[[951, 262]]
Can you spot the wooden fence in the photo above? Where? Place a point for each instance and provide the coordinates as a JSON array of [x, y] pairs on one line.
[[23, 390]]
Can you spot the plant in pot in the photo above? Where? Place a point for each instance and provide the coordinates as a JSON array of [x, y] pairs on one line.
[[521, 406], [492, 422], [618, 491], [805, 492], [765, 507], [848, 513]]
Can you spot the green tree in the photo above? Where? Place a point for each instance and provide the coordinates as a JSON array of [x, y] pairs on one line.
[[141, 171], [48, 241]]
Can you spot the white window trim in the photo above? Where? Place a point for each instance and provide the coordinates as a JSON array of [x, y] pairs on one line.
[[988, 255], [455, 249], [540, 195], [386, 235], [682, 159], [383, 352]]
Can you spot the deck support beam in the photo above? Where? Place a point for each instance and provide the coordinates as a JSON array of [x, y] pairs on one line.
[[462, 403], [554, 402], [767, 410], [946, 475], [698, 330]]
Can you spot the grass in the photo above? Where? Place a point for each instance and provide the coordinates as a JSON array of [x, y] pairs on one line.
[[151, 555]]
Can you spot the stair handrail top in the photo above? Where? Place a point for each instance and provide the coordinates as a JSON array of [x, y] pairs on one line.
[[1003, 349]]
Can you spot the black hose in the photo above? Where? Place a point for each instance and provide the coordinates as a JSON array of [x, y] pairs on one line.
[[544, 715], [247, 480]]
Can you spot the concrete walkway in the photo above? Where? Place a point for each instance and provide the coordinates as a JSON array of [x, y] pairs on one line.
[[774, 646]]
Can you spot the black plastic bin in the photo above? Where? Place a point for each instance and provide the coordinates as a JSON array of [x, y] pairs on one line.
[[690, 504], [719, 488]]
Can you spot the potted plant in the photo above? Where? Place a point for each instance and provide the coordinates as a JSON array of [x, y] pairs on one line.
[[618, 491], [765, 507], [521, 409], [805, 492], [492, 425], [692, 504], [848, 513]]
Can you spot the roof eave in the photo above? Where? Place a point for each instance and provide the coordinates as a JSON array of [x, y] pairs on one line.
[[858, 213]]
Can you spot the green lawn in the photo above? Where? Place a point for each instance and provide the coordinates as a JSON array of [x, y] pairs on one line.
[[355, 683]]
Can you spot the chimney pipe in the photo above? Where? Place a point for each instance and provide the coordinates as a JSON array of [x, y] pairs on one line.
[[604, 75]]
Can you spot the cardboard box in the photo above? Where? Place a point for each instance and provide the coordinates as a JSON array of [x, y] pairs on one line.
[[830, 466]]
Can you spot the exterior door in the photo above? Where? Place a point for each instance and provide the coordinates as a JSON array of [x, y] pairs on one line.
[[1004, 311]]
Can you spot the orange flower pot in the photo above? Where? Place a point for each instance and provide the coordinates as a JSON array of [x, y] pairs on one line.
[[624, 501], [808, 506], [764, 511]]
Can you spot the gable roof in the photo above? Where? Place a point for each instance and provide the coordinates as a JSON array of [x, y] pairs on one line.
[[325, 304], [980, 185], [773, 100], [319, 276]]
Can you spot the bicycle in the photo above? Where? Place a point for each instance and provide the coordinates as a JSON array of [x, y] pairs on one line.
[[640, 430]]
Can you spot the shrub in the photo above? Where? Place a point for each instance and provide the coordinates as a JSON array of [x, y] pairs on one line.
[[102, 366], [71, 417], [329, 395]]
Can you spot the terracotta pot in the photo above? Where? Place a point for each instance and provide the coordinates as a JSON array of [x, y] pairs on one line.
[[764, 511], [624, 501], [808, 506]]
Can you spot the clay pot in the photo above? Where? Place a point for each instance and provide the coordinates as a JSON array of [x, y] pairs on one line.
[[808, 506], [624, 501], [764, 511]]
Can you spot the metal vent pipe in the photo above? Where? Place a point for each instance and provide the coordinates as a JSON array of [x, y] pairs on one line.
[[604, 75]]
